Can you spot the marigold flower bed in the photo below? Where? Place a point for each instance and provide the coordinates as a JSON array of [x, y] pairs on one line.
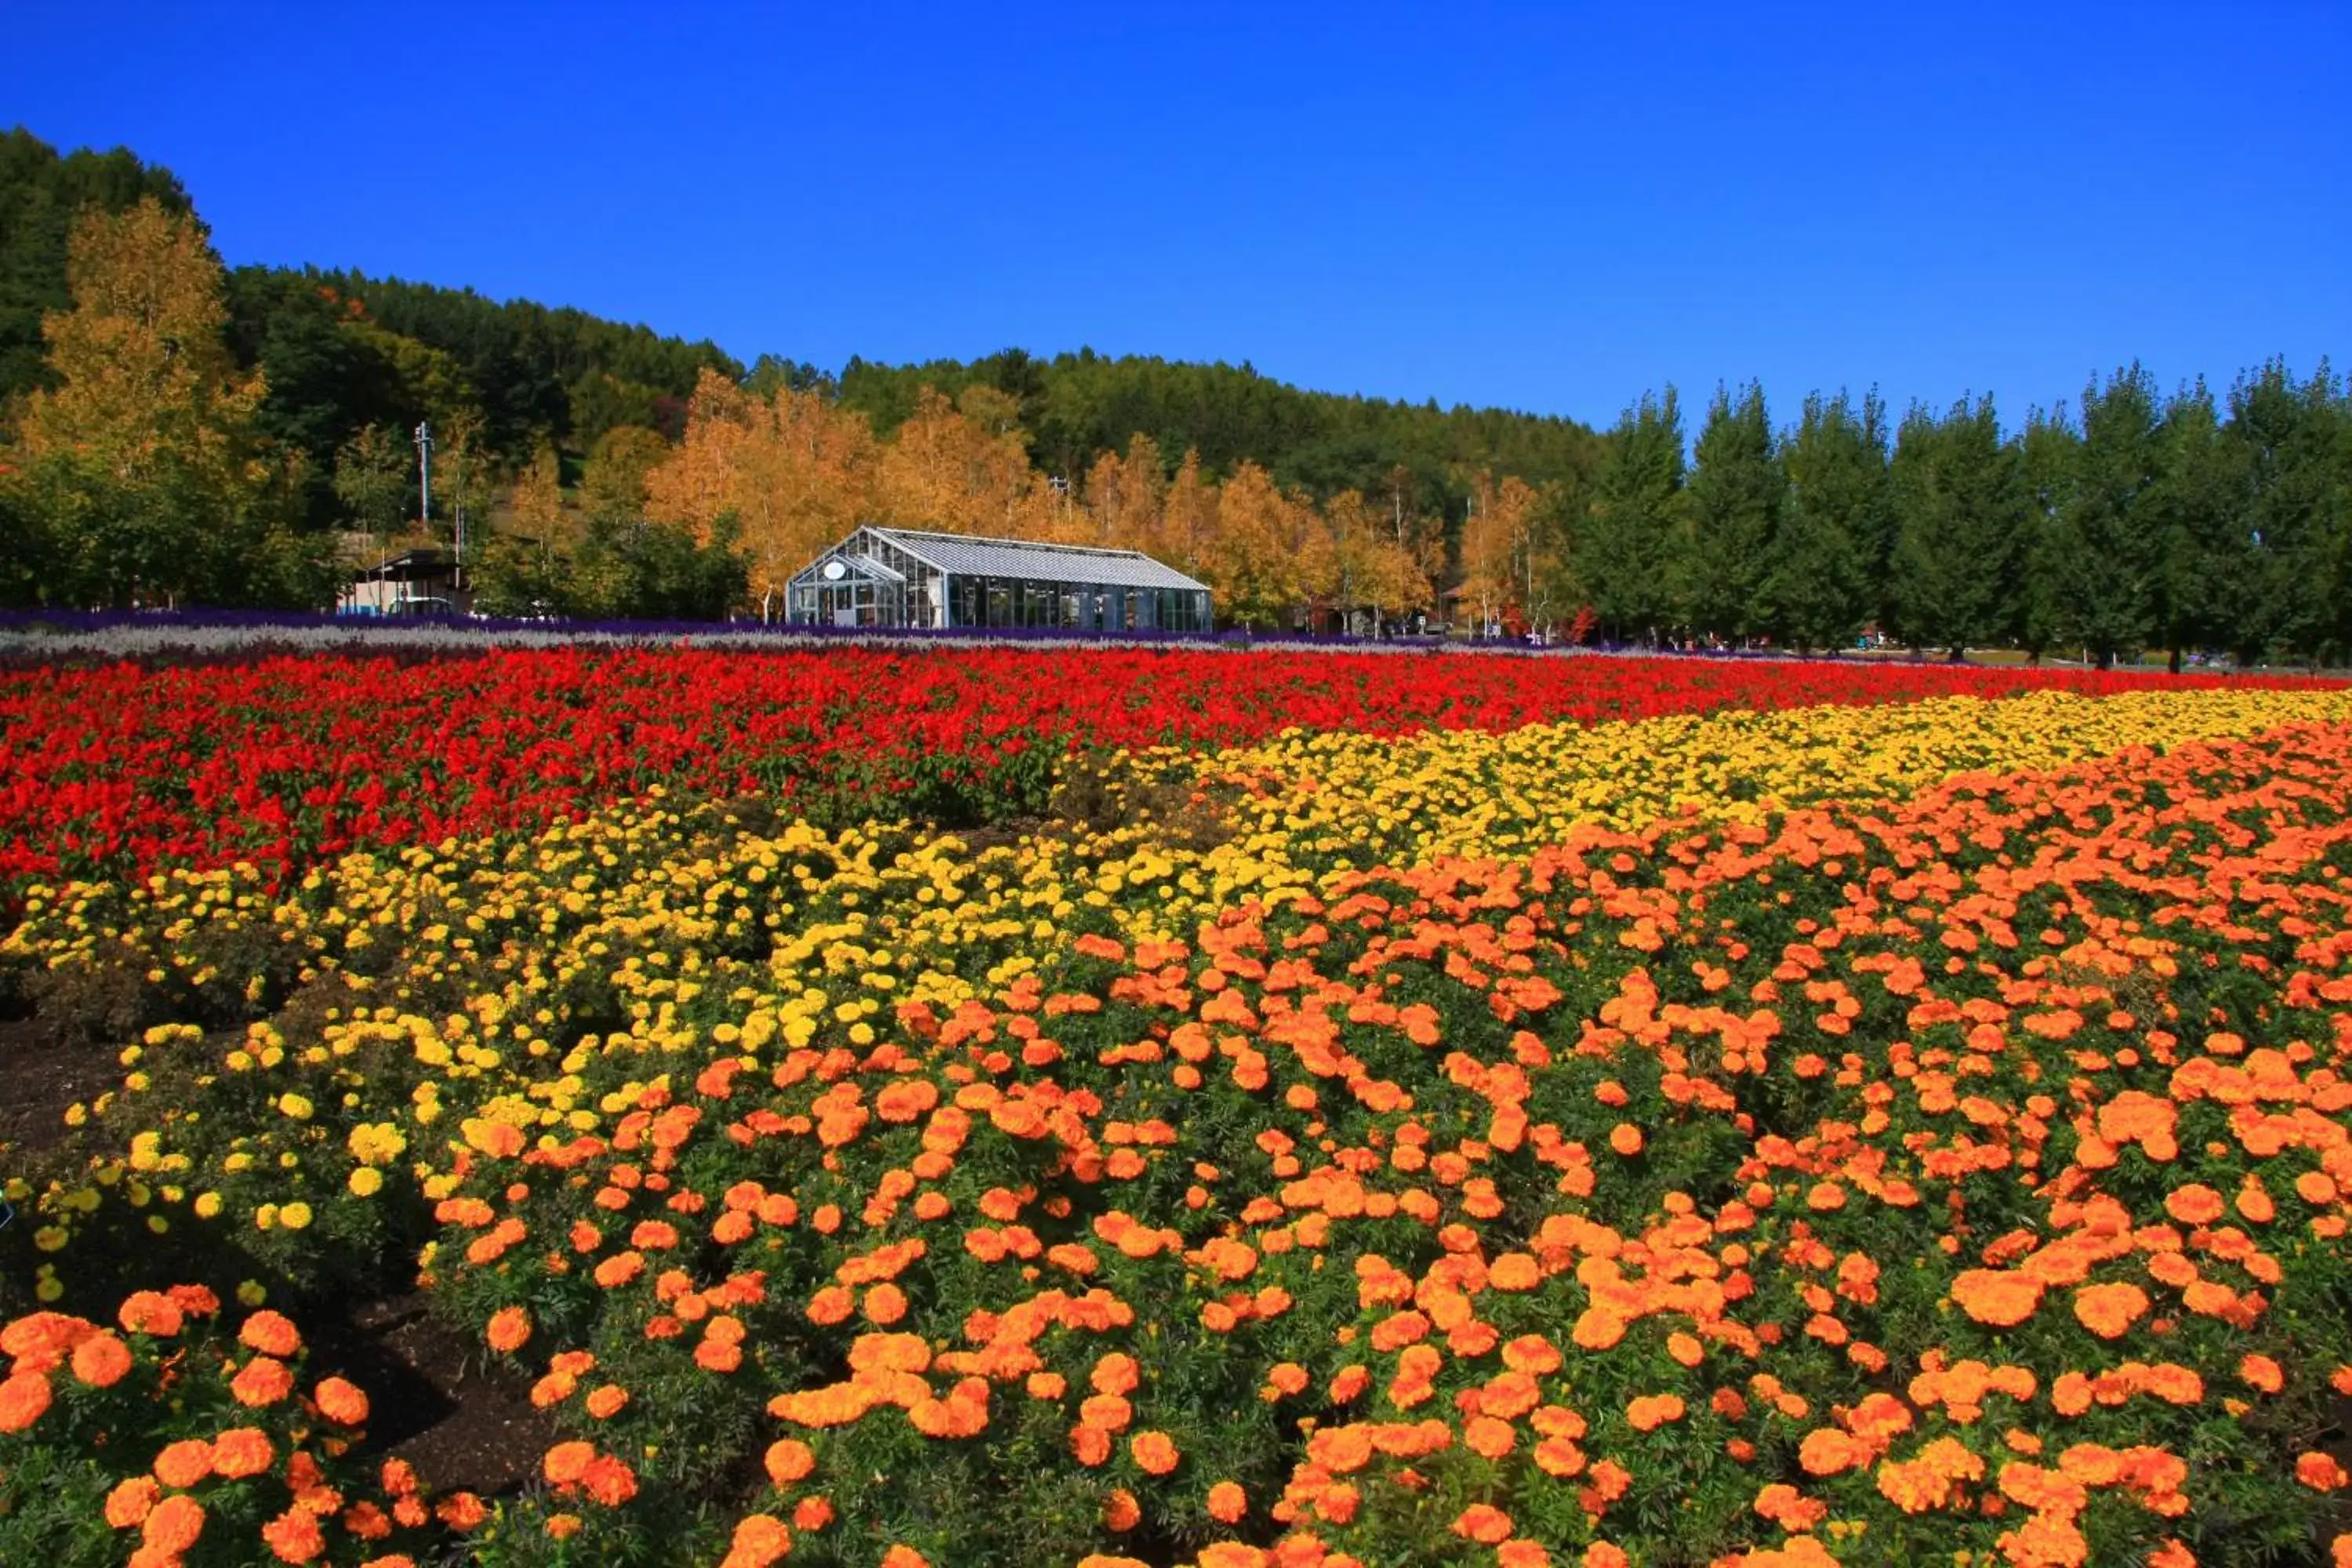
[[1790, 1149]]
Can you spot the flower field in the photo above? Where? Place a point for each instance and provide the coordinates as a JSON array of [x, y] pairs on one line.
[[1313, 1110]]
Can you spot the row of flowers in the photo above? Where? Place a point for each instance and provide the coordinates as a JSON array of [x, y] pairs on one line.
[[116, 770]]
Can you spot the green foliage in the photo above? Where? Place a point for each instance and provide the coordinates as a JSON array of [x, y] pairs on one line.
[[1961, 545], [1625, 550], [2104, 559], [1837, 523], [1734, 503]]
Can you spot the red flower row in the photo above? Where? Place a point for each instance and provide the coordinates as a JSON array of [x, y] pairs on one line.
[[121, 770]]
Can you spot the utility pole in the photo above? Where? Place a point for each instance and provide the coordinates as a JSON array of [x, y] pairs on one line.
[[425, 471]]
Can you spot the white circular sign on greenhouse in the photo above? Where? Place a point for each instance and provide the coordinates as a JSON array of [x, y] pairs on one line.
[[835, 571]]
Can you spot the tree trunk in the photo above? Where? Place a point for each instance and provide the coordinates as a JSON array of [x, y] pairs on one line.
[[2172, 663]]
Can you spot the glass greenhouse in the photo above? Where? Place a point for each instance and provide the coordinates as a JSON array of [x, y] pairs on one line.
[[899, 577]]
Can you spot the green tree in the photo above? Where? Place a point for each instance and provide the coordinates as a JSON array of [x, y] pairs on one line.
[[1836, 528], [2193, 512], [2103, 555], [613, 481], [1624, 553], [1732, 505], [2286, 442], [376, 484], [2048, 464], [1960, 527]]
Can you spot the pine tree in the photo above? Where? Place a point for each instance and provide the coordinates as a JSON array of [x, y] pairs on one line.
[[1624, 554], [1733, 505], [1829, 570], [1959, 548], [2199, 563], [2105, 553]]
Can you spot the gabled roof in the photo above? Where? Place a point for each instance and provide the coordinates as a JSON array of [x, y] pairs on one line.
[[965, 555]]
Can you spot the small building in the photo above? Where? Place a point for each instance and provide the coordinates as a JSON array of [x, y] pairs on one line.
[[903, 577], [422, 581]]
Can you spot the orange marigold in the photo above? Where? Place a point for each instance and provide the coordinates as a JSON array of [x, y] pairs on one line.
[[294, 1536], [1227, 1502], [270, 1332], [263, 1380], [760, 1540], [130, 1501], [509, 1329], [1648, 1412], [1482, 1523], [2321, 1472], [788, 1459], [174, 1525], [101, 1361], [150, 1313], [184, 1464], [2110, 1310], [342, 1402], [1996, 1296], [242, 1451], [1154, 1452], [22, 1399]]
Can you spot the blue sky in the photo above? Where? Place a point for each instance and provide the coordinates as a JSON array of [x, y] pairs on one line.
[[1543, 207]]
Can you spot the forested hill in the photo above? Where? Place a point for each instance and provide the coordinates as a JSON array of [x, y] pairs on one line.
[[1076, 405], [342, 352]]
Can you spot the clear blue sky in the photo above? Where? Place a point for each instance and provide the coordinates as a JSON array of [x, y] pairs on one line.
[[1544, 207]]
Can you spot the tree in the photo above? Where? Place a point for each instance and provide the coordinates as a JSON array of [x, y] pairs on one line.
[[535, 505], [1126, 495], [1733, 503], [1624, 554], [142, 463], [2049, 469], [1829, 567], [613, 481], [1961, 514], [43, 197], [1499, 549], [2286, 451], [2190, 508], [1266, 561], [1190, 519], [373, 481], [2104, 559]]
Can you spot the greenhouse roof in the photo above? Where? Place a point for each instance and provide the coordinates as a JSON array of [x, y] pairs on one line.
[[964, 556]]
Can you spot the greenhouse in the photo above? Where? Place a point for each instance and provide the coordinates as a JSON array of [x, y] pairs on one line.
[[899, 577]]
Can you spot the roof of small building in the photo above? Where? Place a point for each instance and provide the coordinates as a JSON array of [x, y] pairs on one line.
[[966, 555]]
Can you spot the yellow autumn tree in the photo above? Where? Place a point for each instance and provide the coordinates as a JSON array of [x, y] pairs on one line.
[[1498, 548], [1186, 536], [1126, 497], [790, 474], [954, 472], [143, 463], [1370, 569], [1271, 553]]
